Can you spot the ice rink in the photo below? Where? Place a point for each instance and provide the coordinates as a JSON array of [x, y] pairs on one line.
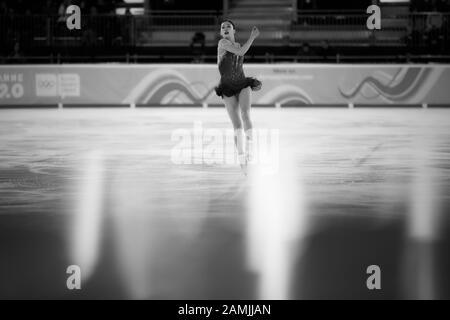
[[149, 211]]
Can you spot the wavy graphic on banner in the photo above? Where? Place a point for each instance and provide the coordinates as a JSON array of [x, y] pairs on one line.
[[158, 85], [286, 94], [405, 83], [171, 87]]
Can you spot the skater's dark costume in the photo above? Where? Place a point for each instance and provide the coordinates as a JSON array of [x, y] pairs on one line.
[[232, 77]]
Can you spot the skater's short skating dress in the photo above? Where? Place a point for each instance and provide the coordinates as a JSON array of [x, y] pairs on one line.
[[232, 77]]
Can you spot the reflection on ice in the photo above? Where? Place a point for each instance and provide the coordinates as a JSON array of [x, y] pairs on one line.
[[86, 226], [276, 220]]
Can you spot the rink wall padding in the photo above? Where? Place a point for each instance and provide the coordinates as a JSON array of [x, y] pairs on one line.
[[185, 85]]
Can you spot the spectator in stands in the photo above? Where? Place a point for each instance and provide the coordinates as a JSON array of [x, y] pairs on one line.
[[434, 32], [198, 47], [88, 38], [307, 5], [62, 10], [304, 53], [325, 50], [125, 31], [125, 26], [269, 57], [17, 55], [409, 40], [434, 43], [111, 29], [3, 8]]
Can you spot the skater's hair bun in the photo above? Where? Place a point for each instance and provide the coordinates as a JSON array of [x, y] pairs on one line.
[[231, 22]]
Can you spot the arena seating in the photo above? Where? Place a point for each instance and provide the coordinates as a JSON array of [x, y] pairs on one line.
[[166, 30]]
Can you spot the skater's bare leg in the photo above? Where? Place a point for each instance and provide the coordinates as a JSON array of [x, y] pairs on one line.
[[245, 103], [232, 106]]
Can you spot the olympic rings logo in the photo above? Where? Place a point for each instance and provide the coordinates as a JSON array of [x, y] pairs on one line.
[[46, 83]]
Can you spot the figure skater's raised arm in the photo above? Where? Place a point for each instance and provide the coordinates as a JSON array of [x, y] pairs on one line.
[[240, 51]]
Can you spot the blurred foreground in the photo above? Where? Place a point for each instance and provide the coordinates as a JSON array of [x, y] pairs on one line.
[[103, 189]]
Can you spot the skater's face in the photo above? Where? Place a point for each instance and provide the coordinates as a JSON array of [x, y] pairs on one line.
[[227, 30]]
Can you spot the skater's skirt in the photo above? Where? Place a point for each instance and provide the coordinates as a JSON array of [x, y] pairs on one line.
[[232, 88]]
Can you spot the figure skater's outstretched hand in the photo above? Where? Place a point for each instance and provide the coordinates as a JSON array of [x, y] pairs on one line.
[[255, 33]]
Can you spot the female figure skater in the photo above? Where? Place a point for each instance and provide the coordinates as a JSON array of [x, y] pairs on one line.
[[235, 88]]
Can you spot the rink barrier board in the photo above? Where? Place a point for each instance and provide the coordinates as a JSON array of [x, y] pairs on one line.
[[188, 85]]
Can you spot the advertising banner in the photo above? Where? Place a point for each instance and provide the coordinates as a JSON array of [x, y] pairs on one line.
[[186, 84]]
